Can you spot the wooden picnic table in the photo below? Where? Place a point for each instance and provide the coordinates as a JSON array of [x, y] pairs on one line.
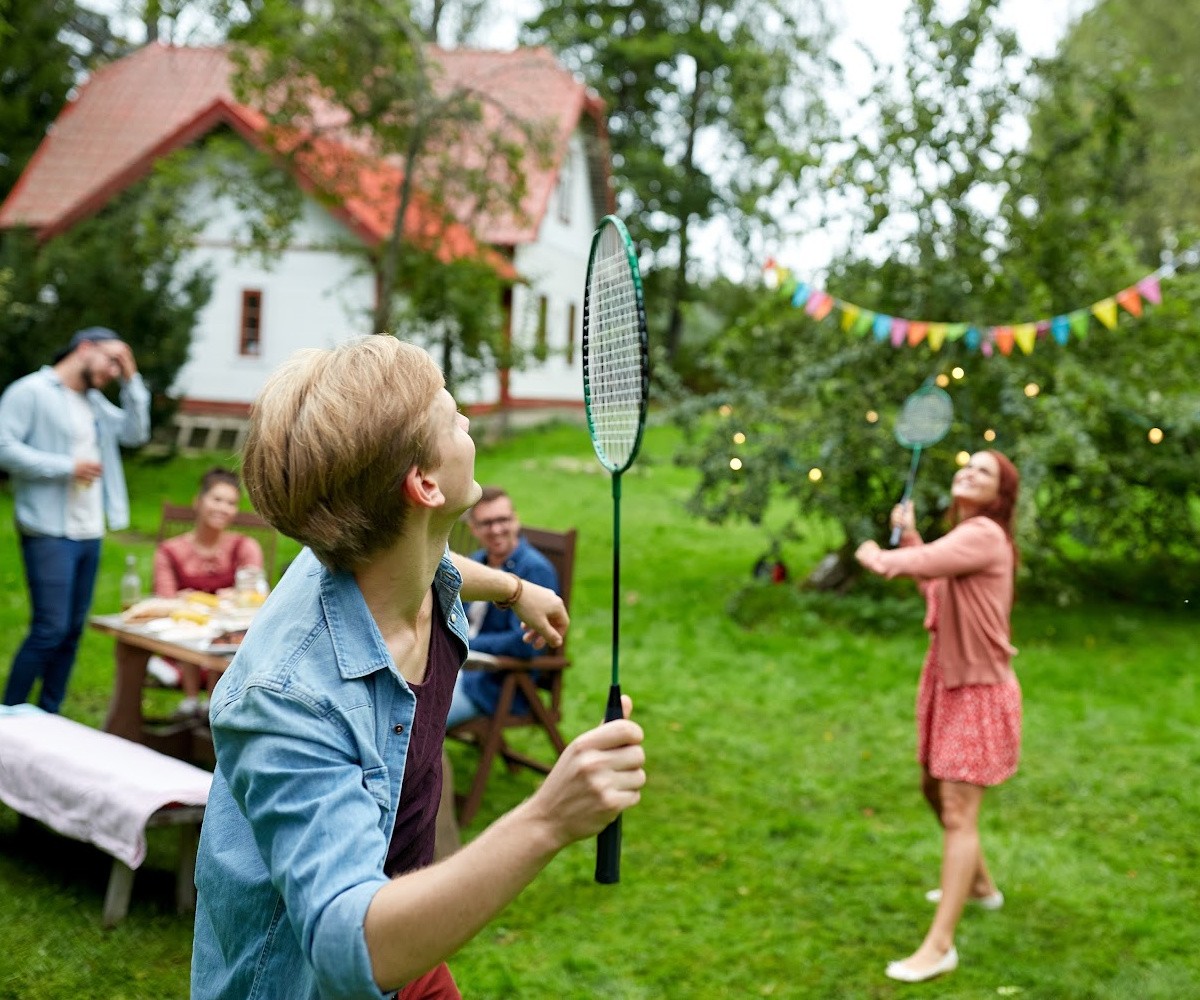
[[188, 739]]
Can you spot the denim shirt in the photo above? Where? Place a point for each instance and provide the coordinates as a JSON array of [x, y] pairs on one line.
[[35, 447], [311, 724]]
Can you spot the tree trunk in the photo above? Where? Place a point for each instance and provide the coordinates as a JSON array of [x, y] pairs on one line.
[[837, 571], [389, 260], [679, 288], [448, 361]]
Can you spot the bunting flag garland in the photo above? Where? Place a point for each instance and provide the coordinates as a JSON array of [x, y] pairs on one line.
[[858, 321]]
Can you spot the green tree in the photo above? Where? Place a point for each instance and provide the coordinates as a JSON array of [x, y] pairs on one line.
[[1150, 52], [37, 70], [714, 111], [948, 232], [371, 62], [122, 268]]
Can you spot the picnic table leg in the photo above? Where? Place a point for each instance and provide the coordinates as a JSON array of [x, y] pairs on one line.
[[447, 838], [185, 880], [125, 707], [116, 898]]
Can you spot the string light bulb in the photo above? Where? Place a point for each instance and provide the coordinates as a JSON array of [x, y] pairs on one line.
[[943, 380], [872, 417], [957, 372], [962, 458], [739, 438], [1155, 435], [1032, 389], [735, 464], [989, 435], [814, 475], [725, 409]]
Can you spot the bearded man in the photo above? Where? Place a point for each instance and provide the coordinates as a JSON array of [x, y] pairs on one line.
[[59, 442]]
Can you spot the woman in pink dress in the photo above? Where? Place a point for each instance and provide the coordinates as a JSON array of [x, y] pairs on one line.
[[206, 558], [969, 701]]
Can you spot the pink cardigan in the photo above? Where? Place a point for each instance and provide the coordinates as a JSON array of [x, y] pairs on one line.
[[974, 561]]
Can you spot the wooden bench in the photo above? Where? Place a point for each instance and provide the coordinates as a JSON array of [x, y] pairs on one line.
[[98, 788]]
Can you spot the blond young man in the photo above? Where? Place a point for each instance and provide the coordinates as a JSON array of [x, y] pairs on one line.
[[314, 873]]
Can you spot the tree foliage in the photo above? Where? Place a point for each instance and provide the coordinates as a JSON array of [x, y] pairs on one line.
[[713, 112], [37, 70], [121, 268], [956, 224], [1151, 50]]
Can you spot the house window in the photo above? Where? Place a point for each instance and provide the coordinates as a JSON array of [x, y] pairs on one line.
[[540, 345], [250, 339], [572, 315], [565, 185]]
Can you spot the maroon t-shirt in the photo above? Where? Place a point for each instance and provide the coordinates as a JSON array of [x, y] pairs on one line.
[[412, 840]]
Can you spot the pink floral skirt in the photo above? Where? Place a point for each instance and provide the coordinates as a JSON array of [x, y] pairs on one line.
[[970, 733]]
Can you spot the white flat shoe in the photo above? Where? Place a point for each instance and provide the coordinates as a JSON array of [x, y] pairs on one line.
[[903, 973], [990, 902]]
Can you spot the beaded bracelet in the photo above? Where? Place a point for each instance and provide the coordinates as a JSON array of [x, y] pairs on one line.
[[505, 605]]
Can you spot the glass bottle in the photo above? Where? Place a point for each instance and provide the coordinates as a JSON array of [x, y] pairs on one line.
[[131, 583]]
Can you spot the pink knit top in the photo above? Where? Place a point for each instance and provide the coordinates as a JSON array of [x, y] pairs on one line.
[[973, 564]]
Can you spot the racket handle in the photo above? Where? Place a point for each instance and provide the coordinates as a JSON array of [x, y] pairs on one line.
[[896, 532], [608, 843]]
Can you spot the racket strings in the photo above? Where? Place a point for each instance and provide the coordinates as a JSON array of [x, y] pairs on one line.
[[615, 372], [924, 419]]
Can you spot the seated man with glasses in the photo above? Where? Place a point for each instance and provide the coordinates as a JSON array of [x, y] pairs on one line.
[[495, 628]]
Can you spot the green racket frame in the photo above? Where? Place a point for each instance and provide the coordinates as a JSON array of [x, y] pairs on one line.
[[608, 845]]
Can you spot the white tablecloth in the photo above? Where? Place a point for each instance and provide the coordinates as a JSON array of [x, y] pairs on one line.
[[90, 785]]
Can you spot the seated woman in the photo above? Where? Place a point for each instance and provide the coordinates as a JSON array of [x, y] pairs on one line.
[[206, 558]]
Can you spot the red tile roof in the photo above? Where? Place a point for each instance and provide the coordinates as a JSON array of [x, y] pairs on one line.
[[530, 85], [161, 98]]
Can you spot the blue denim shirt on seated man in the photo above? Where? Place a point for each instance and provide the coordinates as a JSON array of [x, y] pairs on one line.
[[359, 453], [60, 442], [497, 629]]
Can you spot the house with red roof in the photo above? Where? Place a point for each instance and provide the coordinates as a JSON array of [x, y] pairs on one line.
[[162, 98]]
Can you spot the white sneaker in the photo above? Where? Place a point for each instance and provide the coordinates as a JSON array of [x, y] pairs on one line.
[[186, 709], [990, 902], [163, 672]]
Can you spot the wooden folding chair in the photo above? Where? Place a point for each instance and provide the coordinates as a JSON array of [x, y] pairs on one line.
[[177, 518], [544, 694]]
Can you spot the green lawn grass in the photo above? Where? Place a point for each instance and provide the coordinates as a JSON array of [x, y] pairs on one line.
[[781, 848]]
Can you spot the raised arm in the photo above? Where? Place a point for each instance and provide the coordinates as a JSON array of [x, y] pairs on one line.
[[423, 917], [539, 608], [968, 548], [131, 420]]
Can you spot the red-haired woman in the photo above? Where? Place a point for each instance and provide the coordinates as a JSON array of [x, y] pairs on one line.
[[969, 702]]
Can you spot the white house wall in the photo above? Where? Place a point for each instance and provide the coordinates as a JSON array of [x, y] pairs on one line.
[[312, 296], [555, 265], [315, 296]]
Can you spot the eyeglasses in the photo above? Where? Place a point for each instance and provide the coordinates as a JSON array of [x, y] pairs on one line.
[[493, 522]]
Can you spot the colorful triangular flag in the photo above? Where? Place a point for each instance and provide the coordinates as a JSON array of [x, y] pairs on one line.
[[1106, 312], [1025, 334]]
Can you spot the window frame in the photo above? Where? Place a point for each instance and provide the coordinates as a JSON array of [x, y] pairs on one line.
[[250, 337]]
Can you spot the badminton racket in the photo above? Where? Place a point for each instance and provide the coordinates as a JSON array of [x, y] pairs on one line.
[[923, 421], [616, 382]]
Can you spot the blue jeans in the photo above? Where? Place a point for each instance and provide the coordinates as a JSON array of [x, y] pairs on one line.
[[462, 707], [60, 574]]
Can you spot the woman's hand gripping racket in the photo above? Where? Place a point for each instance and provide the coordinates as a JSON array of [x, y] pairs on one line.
[[924, 420], [616, 382]]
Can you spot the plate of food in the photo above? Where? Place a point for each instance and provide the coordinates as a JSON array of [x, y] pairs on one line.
[[229, 641]]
